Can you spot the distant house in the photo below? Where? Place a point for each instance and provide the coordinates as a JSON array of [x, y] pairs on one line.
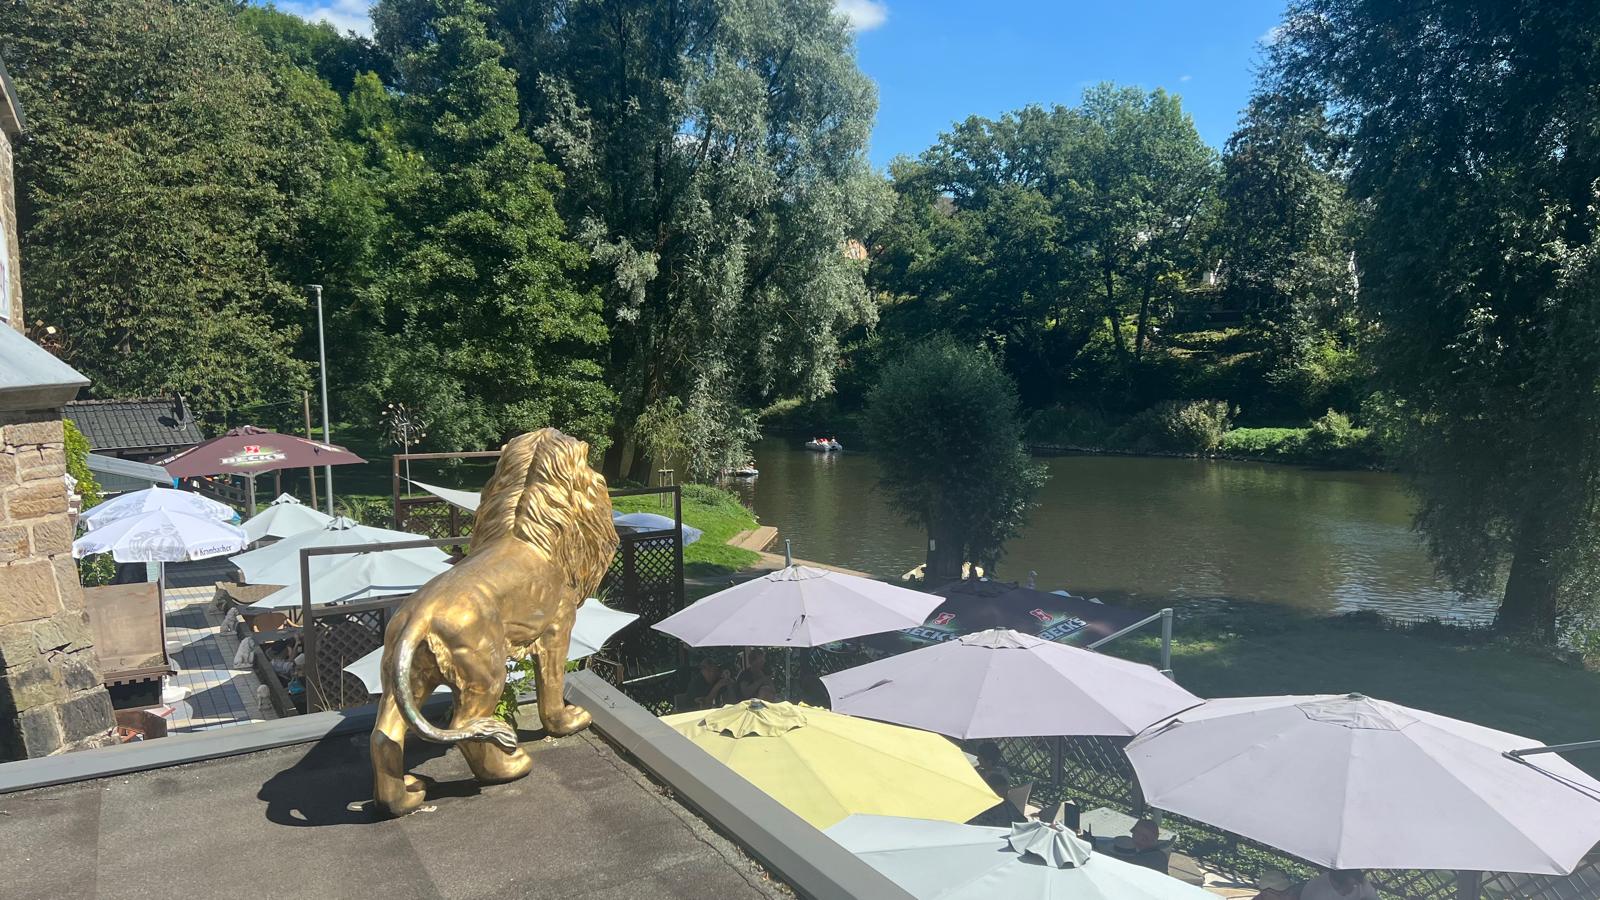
[[143, 430]]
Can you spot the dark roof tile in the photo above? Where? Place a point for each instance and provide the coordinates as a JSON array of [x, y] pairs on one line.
[[135, 424]]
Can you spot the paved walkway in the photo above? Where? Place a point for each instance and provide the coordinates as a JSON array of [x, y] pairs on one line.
[[207, 692]]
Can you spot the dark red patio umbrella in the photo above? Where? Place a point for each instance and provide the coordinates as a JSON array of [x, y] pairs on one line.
[[249, 451]]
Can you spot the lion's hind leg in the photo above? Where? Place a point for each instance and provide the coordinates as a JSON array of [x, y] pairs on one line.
[[396, 792], [480, 681]]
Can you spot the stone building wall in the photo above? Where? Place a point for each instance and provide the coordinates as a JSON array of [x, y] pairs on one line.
[[51, 698], [50, 694]]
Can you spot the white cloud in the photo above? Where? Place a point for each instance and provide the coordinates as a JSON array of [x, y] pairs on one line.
[[345, 15], [1185, 77], [863, 15]]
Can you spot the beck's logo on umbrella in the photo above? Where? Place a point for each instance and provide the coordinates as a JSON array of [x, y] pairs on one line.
[[253, 455]]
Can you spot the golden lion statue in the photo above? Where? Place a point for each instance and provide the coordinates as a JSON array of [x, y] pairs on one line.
[[541, 542]]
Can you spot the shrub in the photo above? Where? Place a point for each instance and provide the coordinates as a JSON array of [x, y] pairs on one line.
[[1195, 426], [1069, 426]]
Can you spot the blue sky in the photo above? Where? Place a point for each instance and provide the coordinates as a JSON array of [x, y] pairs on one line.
[[939, 61]]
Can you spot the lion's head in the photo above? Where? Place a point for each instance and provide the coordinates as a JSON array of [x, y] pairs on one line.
[[543, 492]]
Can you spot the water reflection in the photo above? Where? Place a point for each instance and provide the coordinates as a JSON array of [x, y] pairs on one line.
[[1156, 529]]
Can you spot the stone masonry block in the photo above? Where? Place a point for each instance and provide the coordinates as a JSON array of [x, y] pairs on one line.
[[38, 463], [28, 591], [68, 588], [32, 685], [34, 499], [40, 732], [87, 714], [50, 536], [8, 469], [67, 632], [22, 434], [76, 671], [17, 646], [14, 542]]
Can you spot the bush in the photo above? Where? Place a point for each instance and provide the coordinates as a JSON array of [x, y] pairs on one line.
[[1069, 426], [1195, 426], [1278, 444]]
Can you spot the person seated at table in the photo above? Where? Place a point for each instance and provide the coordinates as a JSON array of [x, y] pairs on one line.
[[708, 688], [992, 768], [1274, 885], [1339, 884], [753, 682], [1142, 846]]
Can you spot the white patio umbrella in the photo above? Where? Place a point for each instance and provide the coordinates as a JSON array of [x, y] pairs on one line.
[[594, 625], [161, 536], [279, 563], [361, 577], [137, 503], [798, 606], [1029, 861], [1349, 782], [1001, 683], [284, 517]]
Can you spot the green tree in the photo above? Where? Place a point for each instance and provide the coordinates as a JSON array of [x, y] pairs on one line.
[[1286, 237], [943, 419], [158, 186], [715, 168], [487, 324], [1472, 133], [97, 569]]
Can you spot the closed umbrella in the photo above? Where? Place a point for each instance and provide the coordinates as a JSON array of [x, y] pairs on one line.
[[161, 536], [1028, 861], [797, 606], [285, 517], [1000, 683], [137, 503], [1350, 782], [824, 766], [362, 576], [279, 563], [594, 624]]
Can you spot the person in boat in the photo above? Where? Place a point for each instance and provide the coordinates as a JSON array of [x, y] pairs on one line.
[[753, 682]]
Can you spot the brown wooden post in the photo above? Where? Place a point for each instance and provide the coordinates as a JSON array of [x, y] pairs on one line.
[[308, 631], [394, 482]]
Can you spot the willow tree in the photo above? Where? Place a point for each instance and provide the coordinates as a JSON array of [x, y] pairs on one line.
[[1473, 139], [715, 168], [943, 421]]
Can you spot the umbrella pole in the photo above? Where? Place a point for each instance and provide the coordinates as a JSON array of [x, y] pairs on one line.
[[250, 496], [788, 674], [1057, 745]]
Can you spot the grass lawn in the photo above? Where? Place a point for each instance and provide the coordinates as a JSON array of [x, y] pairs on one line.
[[1246, 650], [717, 513]]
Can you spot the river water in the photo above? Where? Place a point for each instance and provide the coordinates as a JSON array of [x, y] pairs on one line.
[[1150, 529]]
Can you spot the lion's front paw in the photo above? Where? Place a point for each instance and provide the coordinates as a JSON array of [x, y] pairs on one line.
[[567, 721]]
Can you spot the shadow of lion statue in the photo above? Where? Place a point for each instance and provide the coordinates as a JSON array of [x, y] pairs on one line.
[[541, 542]]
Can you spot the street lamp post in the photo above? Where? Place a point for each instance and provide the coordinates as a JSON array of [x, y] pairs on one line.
[[322, 358]]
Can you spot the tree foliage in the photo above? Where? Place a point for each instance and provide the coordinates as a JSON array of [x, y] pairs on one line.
[[1037, 230], [1471, 134], [488, 324], [159, 183], [715, 168], [944, 422]]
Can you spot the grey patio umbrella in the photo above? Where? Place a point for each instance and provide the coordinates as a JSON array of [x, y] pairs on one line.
[[1001, 683], [1350, 782]]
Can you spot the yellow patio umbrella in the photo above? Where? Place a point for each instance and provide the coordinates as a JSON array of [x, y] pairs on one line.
[[825, 766]]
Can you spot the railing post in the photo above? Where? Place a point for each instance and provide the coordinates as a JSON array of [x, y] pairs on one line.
[[394, 484], [308, 631], [1166, 643]]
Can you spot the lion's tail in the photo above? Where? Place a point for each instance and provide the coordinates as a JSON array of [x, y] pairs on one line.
[[484, 729]]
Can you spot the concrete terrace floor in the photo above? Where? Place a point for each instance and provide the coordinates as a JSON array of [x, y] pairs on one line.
[[583, 824]]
